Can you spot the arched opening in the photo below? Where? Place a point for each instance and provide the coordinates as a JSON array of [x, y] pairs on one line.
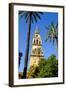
[[37, 41], [34, 41], [39, 51]]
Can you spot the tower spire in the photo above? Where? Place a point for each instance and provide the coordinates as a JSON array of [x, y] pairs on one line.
[[37, 30]]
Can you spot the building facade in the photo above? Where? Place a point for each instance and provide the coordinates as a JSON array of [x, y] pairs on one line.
[[36, 52]]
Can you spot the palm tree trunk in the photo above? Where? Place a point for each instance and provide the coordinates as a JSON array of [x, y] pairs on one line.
[[27, 48]]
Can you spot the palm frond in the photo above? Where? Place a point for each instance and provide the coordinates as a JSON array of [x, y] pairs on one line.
[[40, 13], [53, 40], [26, 16], [37, 15], [56, 28], [52, 25], [47, 27], [22, 13], [34, 16], [32, 19], [56, 25], [50, 39], [52, 33], [47, 37]]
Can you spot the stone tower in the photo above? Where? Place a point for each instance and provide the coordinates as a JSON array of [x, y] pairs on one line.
[[36, 52]]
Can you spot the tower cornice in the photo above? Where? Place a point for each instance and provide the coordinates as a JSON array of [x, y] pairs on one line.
[[37, 55], [37, 44]]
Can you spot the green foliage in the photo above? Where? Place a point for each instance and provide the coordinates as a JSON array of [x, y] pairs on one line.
[[52, 33], [46, 68], [50, 69]]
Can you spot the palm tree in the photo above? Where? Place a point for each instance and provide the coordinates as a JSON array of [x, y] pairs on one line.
[[52, 33], [30, 17]]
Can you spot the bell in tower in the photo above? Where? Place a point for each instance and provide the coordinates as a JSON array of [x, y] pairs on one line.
[[36, 52]]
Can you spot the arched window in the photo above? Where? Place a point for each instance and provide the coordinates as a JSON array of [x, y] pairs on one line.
[[39, 51], [37, 41], [34, 41]]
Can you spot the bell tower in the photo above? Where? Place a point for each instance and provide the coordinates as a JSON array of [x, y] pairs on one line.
[[36, 52]]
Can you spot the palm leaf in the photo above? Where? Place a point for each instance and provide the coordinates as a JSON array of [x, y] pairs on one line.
[[47, 27], [47, 37], [37, 15], [27, 17], [53, 40], [56, 25], [52, 24], [32, 19], [50, 39], [34, 16], [40, 13], [22, 13]]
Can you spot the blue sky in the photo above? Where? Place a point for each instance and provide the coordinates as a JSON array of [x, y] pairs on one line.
[[48, 48]]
